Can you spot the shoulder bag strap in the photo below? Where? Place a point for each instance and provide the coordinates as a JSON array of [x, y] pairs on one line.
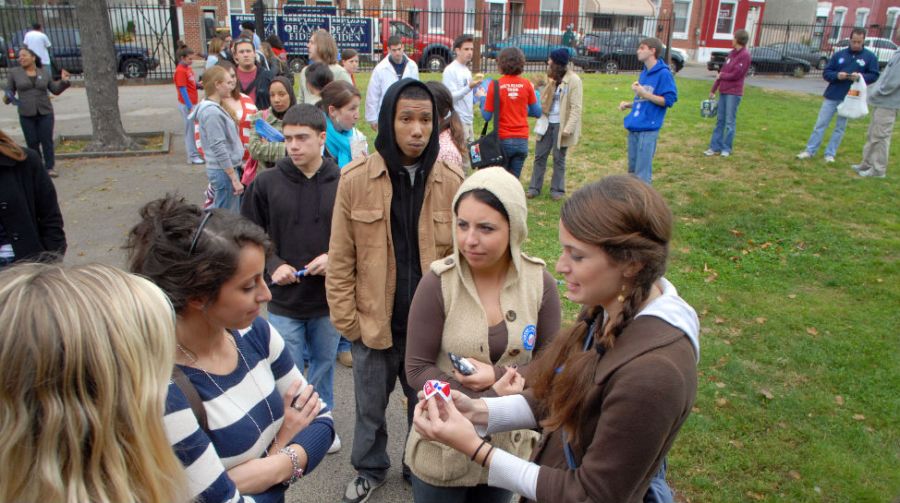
[[190, 392], [496, 116]]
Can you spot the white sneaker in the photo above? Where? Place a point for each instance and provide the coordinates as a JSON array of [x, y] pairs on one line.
[[709, 152], [359, 490], [829, 158], [725, 154], [804, 155], [336, 445], [857, 167], [870, 173]]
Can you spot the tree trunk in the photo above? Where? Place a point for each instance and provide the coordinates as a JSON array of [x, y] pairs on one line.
[[100, 73]]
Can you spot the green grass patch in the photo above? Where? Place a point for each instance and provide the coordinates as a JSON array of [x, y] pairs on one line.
[[793, 267]]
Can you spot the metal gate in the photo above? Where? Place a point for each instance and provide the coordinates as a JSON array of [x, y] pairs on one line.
[[143, 35]]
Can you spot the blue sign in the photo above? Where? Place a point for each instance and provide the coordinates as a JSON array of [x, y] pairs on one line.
[[237, 19], [296, 30], [321, 10]]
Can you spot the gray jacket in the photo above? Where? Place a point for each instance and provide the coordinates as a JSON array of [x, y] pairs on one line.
[[219, 136], [32, 95], [885, 92]]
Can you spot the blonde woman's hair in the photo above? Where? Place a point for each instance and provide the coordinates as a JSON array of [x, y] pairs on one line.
[[212, 76], [86, 355], [326, 47]]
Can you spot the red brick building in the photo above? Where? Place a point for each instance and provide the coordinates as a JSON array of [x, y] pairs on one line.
[[704, 26], [880, 17]]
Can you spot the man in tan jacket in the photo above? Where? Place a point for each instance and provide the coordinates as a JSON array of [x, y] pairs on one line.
[[392, 218]]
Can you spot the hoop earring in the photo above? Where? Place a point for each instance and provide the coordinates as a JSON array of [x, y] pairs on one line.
[[621, 297]]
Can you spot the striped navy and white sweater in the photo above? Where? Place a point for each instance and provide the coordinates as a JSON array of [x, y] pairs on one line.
[[232, 438]]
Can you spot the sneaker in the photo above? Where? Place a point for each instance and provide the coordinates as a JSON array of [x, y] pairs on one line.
[[725, 154], [359, 490], [858, 167], [336, 445], [557, 197], [52, 173], [804, 155], [870, 173], [709, 152], [531, 194], [829, 158], [345, 358], [196, 161]]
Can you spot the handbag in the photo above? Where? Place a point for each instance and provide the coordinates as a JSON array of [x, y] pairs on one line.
[[709, 108], [487, 151]]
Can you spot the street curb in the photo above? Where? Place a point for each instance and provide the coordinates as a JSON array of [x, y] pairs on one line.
[[116, 153]]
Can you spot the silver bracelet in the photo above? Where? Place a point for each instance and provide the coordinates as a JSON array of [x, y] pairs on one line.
[[296, 472]]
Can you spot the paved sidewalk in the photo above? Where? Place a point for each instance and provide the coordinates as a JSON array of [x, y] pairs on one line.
[[812, 84]]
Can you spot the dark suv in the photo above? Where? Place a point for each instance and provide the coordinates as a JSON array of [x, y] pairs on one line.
[[611, 52], [132, 61]]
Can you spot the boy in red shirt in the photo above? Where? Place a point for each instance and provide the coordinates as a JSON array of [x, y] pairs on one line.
[[518, 101], [186, 85]]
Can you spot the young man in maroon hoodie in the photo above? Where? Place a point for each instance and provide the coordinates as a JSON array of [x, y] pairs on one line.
[[730, 84]]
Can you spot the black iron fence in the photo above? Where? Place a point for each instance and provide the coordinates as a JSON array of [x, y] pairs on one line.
[[596, 42], [143, 35], [802, 49]]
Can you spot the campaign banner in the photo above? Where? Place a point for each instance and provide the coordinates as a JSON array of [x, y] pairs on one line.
[[353, 33], [321, 10], [295, 31], [271, 23]]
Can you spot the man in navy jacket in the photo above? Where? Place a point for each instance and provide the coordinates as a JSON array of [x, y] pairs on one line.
[[844, 68]]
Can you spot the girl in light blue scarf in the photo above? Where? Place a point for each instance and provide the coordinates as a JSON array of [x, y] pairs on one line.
[[340, 103]]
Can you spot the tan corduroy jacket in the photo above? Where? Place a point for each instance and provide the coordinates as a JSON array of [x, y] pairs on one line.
[[362, 272], [570, 107]]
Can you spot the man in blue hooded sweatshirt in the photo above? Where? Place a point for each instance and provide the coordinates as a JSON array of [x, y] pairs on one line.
[[654, 93]]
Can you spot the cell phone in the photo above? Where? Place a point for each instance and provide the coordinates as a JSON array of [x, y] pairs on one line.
[[462, 365]]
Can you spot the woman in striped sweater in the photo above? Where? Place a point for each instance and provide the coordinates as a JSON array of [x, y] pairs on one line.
[[239, 414]]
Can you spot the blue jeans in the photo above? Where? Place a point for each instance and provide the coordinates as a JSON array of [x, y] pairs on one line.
[[723, 135], [516, 150], [828, 110], [343, 345], [641, 149], [424, 492], [190, 144], [223, 191], [321, 338], [38, 132]]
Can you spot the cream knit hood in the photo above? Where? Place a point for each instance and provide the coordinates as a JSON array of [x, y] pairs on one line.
[[508, 190]]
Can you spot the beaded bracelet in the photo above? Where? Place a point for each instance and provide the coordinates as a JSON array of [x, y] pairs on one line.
[[296, 472]]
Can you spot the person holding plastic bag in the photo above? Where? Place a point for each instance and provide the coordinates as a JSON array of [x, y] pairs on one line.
[[844, 68], [264, 148]]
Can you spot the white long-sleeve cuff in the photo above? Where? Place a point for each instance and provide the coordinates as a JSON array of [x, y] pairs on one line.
[[513, 474], [507, 413]]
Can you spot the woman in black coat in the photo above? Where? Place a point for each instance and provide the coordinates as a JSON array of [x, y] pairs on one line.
[[31, 82], [31, 225]]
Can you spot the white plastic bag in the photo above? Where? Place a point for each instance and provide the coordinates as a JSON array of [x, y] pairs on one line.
[[854, 105], [541, 125]]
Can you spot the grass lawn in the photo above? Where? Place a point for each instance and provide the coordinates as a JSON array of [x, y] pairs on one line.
[[793, 267]]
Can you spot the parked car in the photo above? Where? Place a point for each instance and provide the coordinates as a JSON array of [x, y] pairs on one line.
[[882, 47], [132, 61], [811, 55], [764, 60], [611, 52], [535, 47]]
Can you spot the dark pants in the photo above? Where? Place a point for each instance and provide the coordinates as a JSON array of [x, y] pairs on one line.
[[38, 131], [375, 373], [542, 150], [424, 492]]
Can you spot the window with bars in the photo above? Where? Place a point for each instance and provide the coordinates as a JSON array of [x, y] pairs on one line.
[[551, 11]]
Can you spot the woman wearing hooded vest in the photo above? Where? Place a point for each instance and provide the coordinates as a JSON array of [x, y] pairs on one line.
[[609, 394], [491, 304]]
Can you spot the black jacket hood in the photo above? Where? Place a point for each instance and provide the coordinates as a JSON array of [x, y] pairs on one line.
[[386, 142]]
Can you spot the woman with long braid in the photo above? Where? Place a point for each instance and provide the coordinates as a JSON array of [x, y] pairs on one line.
[[611, 393]]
